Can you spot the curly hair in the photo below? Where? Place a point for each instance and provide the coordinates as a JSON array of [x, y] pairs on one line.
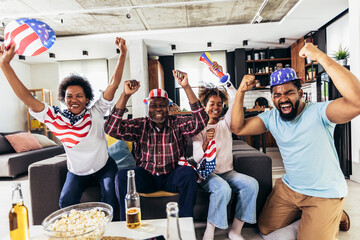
[[205, 93], [77, 80]]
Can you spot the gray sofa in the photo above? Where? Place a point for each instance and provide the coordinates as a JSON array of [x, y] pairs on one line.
[[47, 178], [13, 163]]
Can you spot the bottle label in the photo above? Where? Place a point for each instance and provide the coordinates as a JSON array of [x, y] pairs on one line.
[[13, 221], [133, 218]]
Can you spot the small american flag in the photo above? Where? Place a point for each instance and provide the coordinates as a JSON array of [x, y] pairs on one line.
[[32, 37], [207, 163]]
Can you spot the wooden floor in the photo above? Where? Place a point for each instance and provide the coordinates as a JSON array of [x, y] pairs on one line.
[[351, 206]]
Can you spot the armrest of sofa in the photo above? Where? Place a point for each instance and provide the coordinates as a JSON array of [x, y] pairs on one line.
[[46, 179], [259, 166]]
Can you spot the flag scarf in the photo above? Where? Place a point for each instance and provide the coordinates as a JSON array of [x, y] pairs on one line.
[[32, 37], [69, 131]]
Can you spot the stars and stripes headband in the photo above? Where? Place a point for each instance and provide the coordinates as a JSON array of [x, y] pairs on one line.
[[157, 93], [32, 37]]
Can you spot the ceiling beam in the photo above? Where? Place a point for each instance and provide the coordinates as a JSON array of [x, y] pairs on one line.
[[109, 9]]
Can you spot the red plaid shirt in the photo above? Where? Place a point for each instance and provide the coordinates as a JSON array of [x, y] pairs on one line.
[[157, 151]]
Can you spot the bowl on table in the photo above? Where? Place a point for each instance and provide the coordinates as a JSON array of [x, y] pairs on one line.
[[78, 222]]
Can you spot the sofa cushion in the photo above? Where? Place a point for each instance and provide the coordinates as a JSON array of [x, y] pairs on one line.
[[23, 142], [44, 140], [5, 146], [119, 151]]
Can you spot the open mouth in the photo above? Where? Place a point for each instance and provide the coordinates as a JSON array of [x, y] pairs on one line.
[[286, 108], [74, 106]]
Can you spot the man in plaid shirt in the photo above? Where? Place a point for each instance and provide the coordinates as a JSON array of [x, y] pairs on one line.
[[159, 141]]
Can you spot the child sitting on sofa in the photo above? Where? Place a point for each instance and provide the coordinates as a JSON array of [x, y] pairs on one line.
[[80, 129], [224, 179]]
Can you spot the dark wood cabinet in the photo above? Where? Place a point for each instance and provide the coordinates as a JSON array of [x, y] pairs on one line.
[[297, 62], [156, 74]]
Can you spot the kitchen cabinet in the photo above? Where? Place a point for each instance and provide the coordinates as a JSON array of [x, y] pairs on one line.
[[262, 62]]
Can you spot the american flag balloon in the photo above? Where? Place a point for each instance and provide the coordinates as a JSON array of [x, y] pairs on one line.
[[32, 37]]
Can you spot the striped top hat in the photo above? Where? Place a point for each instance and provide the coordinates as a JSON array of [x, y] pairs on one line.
[[282, 76], [157, 93]]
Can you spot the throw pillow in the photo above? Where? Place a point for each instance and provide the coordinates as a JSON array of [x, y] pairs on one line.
[[44, 140], [23, 142], [121, 154], [5, 146], [110, 140]]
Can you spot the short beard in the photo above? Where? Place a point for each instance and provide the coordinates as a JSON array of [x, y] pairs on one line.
[[156, 121], [292, 115]]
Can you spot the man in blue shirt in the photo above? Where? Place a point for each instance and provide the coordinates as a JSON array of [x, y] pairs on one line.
[[313, 186]]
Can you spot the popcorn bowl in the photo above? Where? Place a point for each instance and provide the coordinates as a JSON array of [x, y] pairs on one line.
[[78, 222]]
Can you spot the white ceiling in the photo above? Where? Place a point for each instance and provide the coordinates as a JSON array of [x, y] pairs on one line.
[[305, 16]]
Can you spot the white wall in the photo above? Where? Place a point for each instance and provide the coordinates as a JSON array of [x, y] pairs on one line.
[[46, 76], [13, 111], [126, 76], [336, 34], [354, 25], [138, 56], [346, 31]]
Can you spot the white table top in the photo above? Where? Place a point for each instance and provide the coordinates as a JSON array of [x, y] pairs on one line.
[[148, 229]]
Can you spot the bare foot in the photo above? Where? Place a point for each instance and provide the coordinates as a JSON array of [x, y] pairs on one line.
[[209, 232], [235, 236]]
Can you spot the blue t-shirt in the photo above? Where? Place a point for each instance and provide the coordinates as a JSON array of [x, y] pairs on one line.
[[307, 148]]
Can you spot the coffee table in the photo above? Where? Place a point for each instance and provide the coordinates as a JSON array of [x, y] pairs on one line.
[[148, 229]]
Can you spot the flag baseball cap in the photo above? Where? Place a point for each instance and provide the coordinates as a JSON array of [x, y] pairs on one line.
[[282, 76], [157, 93]]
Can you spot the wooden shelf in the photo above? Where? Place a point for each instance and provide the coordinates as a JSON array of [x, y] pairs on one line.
[[269, 60], [309, 64], [279, 59], [43, 95], [260, 60]]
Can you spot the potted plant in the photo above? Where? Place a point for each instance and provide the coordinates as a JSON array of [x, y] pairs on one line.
[[311, 73], [342, 55]]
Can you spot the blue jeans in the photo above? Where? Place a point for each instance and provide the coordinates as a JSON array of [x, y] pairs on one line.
[[182, 180], [75, 185], [220, 187]]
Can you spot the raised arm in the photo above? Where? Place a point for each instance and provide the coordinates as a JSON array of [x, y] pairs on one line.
[[130, 87], [118, 72], [239, 125], [18, 87], [347, 107], [182, 79], [115, 126]]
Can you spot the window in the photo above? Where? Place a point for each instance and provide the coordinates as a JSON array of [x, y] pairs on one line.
[[95, 71], [198, 72]]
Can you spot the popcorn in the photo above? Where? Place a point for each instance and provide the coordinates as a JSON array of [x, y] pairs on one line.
[[81, 224]]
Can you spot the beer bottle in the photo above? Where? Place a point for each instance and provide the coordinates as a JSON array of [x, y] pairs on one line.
[[18, 215], [173, 230], [132, 203]]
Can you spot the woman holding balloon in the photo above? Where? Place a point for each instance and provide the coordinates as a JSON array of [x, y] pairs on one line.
[[80, 128]]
